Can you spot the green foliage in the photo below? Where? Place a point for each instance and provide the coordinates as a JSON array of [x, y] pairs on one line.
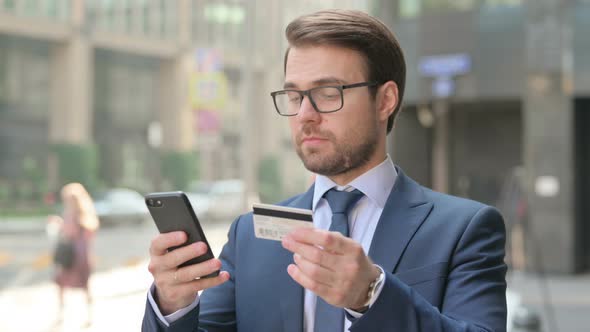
[[179, 168], [269, 175], [77, 163], [4, 192]]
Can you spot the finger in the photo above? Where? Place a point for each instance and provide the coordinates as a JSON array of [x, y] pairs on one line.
[[306, 282], [331, 241], [310, 252], [192, 272], [204, 283], [314, 271], [180, 255], [162, 242], [169, 291]]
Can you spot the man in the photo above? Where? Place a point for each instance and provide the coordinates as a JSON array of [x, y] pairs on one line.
[[404, 259]]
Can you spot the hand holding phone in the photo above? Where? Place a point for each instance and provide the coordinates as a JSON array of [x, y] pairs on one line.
[[179, 275], [172, 211]]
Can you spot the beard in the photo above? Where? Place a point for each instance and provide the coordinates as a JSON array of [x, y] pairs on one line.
[[352, 152]]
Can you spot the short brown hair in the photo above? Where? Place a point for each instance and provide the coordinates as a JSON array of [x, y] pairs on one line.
[[357, 31]]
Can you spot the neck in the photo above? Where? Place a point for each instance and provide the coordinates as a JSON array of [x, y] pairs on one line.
[[347, 177]]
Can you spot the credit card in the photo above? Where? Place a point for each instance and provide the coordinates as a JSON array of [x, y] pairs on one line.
[[273, 222]]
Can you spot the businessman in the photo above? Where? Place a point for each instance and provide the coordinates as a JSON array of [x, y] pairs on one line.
[[385, 254]]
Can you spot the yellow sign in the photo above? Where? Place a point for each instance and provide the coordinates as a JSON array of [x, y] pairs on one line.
[[208, 90]]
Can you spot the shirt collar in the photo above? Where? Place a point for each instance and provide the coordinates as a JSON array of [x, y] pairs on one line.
[[376, 184]]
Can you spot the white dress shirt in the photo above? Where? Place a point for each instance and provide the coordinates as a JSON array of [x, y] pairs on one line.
[[376, 184]]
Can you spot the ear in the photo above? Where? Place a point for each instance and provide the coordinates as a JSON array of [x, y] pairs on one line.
[[387, 99]]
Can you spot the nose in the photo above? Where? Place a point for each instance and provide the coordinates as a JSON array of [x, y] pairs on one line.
[[306, 111]]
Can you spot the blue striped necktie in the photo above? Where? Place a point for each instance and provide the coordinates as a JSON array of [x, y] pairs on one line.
[[328, 317]]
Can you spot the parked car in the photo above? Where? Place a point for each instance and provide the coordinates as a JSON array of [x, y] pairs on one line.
[[198, 194], [227, 200], [120, 206]]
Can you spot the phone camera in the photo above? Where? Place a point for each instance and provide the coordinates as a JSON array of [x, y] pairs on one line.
[[150, 202], [158, 203]]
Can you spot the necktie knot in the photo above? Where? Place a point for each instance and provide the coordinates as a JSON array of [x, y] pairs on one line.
[[342, 201]]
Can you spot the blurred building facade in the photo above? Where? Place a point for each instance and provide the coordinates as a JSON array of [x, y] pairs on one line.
[[146, 94], [150, 93], [496, 110]]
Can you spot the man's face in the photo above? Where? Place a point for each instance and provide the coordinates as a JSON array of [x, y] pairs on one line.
[[332, 143]]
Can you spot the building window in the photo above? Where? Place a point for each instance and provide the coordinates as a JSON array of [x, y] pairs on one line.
[[502, 3], [409, 8], [414, 8], [219, 24], [3, 76]]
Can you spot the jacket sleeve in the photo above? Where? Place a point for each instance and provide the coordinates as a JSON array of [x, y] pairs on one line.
[[474, 293], [216, 310]]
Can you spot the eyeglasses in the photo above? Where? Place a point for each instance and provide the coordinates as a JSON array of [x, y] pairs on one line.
[[324, 99]]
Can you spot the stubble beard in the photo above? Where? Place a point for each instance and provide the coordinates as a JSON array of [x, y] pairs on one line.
[[353, 152]]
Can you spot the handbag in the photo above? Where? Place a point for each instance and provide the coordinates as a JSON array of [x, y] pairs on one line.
[[64, 253]]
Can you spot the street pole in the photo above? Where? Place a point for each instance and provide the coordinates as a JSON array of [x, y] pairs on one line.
[[249, 154], [440, 149]]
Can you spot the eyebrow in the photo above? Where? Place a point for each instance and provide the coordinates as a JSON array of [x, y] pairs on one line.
[[319, 82]]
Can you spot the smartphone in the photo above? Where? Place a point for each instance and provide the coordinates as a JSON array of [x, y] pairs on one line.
[[172, 211]]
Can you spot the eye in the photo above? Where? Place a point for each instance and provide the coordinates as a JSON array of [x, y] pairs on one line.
[[328, 95], [294, 97]]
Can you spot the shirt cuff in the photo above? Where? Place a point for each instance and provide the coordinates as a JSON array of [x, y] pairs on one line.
[[357, 315], [169, 319]]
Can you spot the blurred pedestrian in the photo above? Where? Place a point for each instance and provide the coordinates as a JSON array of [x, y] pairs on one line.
[[77, 227]]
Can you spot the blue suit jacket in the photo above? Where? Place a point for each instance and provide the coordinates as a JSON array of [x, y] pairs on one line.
[[443, 257]]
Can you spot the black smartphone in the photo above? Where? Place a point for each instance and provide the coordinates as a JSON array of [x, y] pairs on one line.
[[172, 211]]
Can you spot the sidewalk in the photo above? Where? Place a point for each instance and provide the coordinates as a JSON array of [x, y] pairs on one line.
[[119, 302], [564, 297], [12, 225]]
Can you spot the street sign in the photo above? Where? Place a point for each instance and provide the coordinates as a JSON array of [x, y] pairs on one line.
[[443, 87], [446, 65], [208, 90]]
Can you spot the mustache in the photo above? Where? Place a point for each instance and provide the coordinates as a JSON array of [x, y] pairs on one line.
[[312, 130]]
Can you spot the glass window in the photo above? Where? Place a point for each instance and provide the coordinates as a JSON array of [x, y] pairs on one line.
[[502, 3], [413, 8], [36, 87], [3, 77], [24, 81], [9, 5], [409, 8], [447, 5]]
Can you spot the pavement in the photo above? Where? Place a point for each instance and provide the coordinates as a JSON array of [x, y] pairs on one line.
[[12, 225], [561, 301], [118, 304], [119, 293]]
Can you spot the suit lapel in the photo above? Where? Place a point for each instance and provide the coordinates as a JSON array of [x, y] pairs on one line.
[[404, 212], [291, 292]]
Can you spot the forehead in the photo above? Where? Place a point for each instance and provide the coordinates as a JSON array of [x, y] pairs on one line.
[[310, 65]]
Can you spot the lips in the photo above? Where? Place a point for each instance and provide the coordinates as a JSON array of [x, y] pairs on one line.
[[312, 139]]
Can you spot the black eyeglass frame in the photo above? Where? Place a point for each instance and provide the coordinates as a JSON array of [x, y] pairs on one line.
[[307, 93]]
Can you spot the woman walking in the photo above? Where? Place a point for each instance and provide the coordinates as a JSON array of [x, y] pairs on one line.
[[78, 226]]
